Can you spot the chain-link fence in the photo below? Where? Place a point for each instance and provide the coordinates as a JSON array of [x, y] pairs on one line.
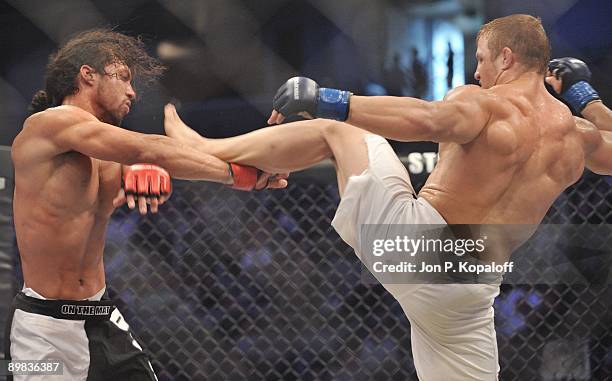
[[223, 285], [226, 285]]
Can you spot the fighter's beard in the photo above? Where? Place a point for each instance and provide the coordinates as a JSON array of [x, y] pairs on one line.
[[110, 118]]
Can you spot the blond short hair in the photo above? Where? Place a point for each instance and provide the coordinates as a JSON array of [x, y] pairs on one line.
[[523, 34]]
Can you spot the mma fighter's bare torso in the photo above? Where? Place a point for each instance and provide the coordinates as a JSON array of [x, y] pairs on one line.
[[527, 154], [62, 206]]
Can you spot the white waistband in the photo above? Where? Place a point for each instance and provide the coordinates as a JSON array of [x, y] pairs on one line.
[[33, 294]]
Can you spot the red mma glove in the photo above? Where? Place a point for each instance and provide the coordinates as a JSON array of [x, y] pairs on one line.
[[146, 180], [245, 177]]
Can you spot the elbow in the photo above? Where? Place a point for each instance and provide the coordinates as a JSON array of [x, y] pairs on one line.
[[147, 152]]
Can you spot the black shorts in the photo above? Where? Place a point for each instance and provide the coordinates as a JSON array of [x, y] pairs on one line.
[[90, 339]]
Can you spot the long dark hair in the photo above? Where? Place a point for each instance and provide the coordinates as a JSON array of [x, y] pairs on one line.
[[96, 48]]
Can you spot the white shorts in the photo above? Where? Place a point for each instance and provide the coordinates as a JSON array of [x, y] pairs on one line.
[[96, 344], [452, 328]]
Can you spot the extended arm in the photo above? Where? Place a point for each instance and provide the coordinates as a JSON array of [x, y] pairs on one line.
[[458, 118], [59, 130]]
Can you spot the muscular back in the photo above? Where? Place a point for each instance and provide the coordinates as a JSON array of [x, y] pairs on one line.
[[528, 152], [62, 204]]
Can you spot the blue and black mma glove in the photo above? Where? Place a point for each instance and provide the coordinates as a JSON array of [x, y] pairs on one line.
[[303, 96], [575, 76]]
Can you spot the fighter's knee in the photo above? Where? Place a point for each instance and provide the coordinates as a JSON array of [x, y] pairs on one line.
[[335, 131], [330, 128]]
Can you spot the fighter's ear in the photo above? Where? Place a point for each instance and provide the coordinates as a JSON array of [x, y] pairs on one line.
[[87, 74], [508, 58]]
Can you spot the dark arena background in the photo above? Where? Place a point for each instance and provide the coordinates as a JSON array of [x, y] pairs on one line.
[[229, 285]]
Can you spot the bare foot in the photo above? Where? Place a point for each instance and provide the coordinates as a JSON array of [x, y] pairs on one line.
[[177, 129]]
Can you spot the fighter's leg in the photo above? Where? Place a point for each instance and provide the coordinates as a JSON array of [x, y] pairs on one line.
[[350, 153], [452, 331], [285, 148]]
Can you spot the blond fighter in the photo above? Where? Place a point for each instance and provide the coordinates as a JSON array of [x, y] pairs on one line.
[[507, 150]]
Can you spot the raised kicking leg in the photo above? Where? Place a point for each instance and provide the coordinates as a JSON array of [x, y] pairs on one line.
[[285, 148]]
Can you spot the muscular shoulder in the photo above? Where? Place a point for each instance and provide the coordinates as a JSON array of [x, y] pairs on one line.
[[56, 117], [486, 98], [461, 92], [36, 140], [470, 91]]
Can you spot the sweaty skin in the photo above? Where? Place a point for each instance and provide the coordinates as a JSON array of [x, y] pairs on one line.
[[507, 150], [67, 172], [516, 166]]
